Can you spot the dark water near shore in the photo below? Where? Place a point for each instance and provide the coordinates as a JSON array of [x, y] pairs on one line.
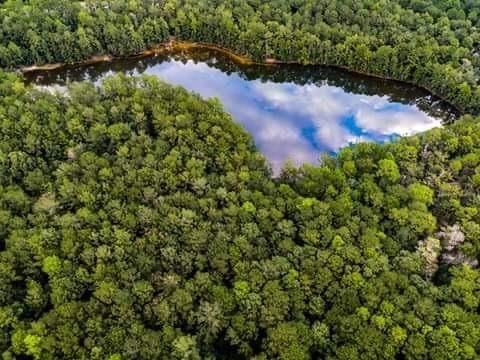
[[293, 112]]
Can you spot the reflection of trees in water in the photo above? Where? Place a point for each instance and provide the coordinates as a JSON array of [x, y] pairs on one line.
[[296, 74]]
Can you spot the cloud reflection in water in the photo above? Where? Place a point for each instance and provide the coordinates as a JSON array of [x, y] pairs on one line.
[[298, 122]]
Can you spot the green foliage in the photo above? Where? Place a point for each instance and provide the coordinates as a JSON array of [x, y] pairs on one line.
[[430, 43], [139, 222]]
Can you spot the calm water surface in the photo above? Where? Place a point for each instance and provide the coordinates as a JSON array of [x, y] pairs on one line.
[[292, 112]]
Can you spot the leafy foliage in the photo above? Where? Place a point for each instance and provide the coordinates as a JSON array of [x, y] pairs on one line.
[[434, 44], [138, 221]]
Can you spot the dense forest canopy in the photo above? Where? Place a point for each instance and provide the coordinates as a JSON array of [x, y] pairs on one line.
[[138, 221], [434, 44]]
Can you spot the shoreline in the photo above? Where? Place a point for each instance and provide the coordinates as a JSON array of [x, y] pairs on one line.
[[171, 46], [176, 45]]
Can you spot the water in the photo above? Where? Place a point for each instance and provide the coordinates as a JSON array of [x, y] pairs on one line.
[[292, 112]]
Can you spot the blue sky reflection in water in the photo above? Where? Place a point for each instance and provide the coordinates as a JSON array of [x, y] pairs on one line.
[[298, 121], [292, 114]]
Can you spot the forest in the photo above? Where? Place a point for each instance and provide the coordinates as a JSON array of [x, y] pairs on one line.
[[432, 43], [139, 221]]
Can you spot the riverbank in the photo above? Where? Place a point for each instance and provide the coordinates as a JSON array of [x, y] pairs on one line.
[[171, 46], [179, 46]]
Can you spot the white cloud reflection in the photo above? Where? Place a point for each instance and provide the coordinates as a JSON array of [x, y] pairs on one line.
[[298, 121]]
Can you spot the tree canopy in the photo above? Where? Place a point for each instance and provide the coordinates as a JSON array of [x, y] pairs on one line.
[[431, 43], [139, 221]]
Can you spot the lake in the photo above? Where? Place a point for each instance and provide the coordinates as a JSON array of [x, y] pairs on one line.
[[293, 112]]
